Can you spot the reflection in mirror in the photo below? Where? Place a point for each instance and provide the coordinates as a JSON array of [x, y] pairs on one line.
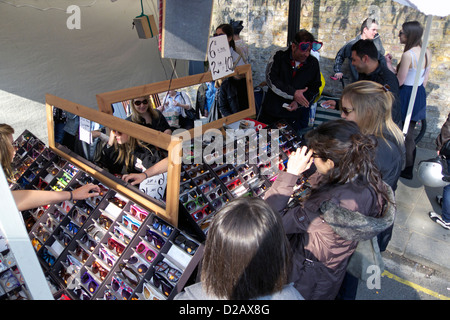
[[132, 162], [179, 108]]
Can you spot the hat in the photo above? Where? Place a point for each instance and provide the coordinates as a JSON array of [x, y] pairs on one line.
[[237, 26]]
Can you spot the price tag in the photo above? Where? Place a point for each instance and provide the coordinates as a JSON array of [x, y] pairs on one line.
[[85, 130], [219, 57]]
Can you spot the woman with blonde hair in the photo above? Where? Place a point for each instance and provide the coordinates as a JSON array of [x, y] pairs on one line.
[[29, 199], [133, 159], [369, 104], [143, 112]]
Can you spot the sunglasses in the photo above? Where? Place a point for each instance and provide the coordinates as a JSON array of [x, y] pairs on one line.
[[189, 196], [72, 227], [129, 274], [215, 194], [63, 236], [145, 251], [149, 292], [141, 267], [122, 235], [42, 184], [156, 239], [130, 224], [159, 225], [206, 187], [119, 286], [162, 283], [81, 253], [315, 46], [138, 102], [113, 244], [188, 245], [195, 204], [78, 216], [138, 212], [234, 184], [346, 111], [43, 233], [89, 243], [196, 172], [47, 257], [201, 213], [219, 203], [88, 281], [172, 274], [97, 268], [118, 202], [107, 257], [105, 221], [82, 294], [95, 233], [186, 186]]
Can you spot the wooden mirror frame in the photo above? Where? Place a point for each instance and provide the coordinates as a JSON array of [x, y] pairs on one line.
[[105, 100], [170, 143]]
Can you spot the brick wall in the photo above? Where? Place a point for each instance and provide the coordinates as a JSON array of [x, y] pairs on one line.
[[335, 22]]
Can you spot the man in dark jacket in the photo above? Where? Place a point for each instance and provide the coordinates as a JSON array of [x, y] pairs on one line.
[[365, 61], [293, 78], [369, 30]]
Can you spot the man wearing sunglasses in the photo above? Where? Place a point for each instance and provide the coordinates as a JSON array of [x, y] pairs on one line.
[[293, 80], [369, 30]]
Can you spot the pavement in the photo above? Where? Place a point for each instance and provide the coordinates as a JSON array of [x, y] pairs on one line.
[[415, 236]]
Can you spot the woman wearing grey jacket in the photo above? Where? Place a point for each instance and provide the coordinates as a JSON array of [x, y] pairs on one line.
[[349, 203]]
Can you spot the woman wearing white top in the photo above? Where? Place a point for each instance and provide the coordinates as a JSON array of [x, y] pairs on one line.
[[411, 36]]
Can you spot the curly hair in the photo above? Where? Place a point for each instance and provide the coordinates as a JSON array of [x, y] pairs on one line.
[[351, 151]]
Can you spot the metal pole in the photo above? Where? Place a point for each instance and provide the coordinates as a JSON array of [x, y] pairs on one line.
[[419, 68], [13, 228], [293, 19]]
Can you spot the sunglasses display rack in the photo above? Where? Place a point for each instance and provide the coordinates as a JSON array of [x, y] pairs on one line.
[[205, 188], [104, 247], [12, 284]]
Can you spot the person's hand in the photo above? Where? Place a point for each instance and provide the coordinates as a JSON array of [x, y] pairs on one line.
[[86, 191], [299, 161], [300, 98], [134, 178], [388, 58], [293, 106], [331, 103], [338, 75]]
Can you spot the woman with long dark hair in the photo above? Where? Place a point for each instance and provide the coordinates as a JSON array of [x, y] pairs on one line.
[[247, 256], [411, 36], [348, 203]]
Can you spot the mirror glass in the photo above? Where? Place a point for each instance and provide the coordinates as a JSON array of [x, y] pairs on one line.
[[120, 157], [207, 102]]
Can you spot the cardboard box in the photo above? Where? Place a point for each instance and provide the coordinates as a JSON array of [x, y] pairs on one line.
[[146, 26]]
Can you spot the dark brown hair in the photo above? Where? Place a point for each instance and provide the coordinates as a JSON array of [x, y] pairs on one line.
[[247, 254], [351, 151], [413, 31]]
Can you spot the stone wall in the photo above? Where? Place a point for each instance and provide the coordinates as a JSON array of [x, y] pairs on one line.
[[334, 22]]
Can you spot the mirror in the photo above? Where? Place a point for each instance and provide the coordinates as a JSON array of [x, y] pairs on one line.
[[118, 149], [235, 101]]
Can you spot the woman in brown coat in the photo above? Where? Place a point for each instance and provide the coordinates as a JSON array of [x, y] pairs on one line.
[[347, 204]]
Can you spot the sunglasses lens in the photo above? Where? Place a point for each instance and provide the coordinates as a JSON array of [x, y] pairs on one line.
[[317, 46], [305, 46]]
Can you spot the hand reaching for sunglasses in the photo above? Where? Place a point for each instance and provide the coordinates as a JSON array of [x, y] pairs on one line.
[[134, 178], [299, 161], [300, 98]]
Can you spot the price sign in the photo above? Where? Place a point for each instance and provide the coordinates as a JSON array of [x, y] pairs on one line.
[[219, 57]]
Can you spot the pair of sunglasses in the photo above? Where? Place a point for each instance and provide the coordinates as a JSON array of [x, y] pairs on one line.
[[119, 286], [138, 102], [138, 212], [155, 238], [165, 229], [145, 251], [314, 46], [140, 266], [172, 274], [97, 268], [195, 204], [114, 245], [162, 283], [129, 274], [188, 245], [201, 213], [89, 282], [130, 224]]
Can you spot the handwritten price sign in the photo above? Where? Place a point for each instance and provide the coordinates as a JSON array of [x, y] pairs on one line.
[[219, 57]]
